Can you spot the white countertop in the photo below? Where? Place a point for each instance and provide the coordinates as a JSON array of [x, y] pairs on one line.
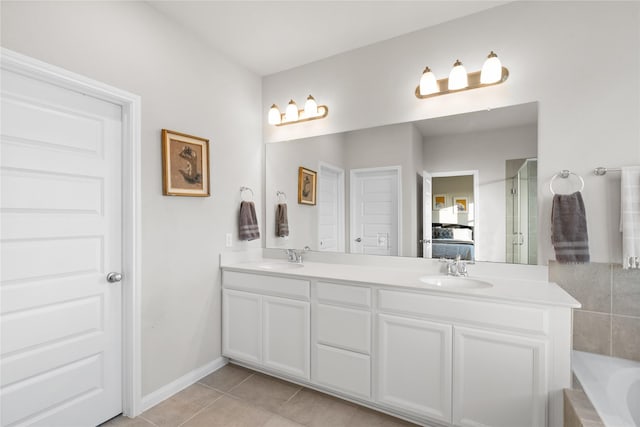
[[503, 289]]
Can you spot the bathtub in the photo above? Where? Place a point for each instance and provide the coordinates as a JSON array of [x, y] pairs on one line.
[[613, 386]]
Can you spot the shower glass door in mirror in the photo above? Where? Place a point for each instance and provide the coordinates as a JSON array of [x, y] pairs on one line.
[[495, 150]]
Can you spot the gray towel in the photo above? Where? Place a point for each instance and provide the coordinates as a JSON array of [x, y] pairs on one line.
[[248, 222], [569, 228], [282, 222]]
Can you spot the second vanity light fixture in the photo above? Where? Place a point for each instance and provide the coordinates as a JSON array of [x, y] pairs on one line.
[[311, 111], [492, 73]]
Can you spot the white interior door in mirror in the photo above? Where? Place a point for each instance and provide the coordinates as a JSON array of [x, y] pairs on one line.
[[427, 215], [330, 208], [375, 211]]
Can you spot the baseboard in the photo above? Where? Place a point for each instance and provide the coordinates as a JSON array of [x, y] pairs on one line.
[[165, 392]]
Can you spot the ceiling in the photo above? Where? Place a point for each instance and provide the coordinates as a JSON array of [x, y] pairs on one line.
[[258, 34], [480, 121]]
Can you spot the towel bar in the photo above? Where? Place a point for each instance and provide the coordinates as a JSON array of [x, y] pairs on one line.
[[600, 171]]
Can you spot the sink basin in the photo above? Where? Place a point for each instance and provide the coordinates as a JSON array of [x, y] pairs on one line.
[[455, 282], [280, 266]]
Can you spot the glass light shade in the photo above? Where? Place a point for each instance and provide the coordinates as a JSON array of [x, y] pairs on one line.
[[274, 115], [310, 107], [491, 70], [291, 113], [458, 77], [428, 82]]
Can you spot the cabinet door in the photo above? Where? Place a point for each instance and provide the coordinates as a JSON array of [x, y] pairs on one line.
[[499, 380], [286, 336], [414, 366], [242, 325]]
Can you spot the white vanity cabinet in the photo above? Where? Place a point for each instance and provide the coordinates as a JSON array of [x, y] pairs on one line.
[[266, 322]]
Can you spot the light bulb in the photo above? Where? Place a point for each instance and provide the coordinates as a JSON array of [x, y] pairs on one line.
[[491, 70], [274, 115], [428, 82], [310, 107], [458, 77], [291, 113]]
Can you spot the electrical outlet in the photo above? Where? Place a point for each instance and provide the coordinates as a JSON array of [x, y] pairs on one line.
[[229, 241]]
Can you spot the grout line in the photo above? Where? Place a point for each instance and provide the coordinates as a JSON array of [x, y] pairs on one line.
[[149, 421], [294, 395], [611, 308], [241, 382], [200, 410]]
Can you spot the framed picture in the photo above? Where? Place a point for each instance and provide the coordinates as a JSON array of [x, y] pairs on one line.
[[439, 201], [307, 182], [461, 204], [185, 165]]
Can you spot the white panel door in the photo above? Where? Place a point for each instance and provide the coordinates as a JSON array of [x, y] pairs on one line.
[[499, 380], [330, 208], [61, 234], [375, 211], [242, 326], [414, 366], [286, 336], [427, 215]]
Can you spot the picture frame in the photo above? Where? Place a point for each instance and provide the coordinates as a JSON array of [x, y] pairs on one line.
[[307, 186], [439, 201], [461, 204], [185, 165]]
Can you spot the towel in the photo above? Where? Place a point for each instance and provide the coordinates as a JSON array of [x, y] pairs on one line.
[[282, 222], [248, 222], [630, 216], [569, 228]]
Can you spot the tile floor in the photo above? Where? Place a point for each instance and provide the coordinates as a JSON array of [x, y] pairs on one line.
[[239, 397]]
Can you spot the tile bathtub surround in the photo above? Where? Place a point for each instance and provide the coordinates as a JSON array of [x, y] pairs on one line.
[[235, 396], [578, 410], [609, 321]]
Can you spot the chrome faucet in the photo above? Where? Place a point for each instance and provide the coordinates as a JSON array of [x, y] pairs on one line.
[[295, 256], [457, 267]]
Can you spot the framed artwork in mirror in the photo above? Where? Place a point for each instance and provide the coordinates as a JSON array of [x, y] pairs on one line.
[[439, 201], [307, 183], [461, 204], [185, 165]]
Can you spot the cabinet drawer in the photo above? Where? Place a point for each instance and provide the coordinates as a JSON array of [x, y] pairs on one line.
[[358, 296], [264, 284], [343, 327], [520, 319], [343, 371]]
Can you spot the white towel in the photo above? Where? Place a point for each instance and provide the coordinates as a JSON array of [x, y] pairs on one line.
[[630, 216]]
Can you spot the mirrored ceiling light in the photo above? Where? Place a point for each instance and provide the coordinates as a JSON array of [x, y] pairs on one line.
[[310, 107], [491, 70], [291, 114], [428, 82], [275, 118], [458, 77]]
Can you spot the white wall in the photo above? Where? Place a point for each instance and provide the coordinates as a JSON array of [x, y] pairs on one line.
[[184, 87], [580, 60], [282, 162], [491, 150]]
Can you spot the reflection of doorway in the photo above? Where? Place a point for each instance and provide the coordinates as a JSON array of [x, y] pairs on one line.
[[457, 211], [376, 211], [522, 211], [330, 208]]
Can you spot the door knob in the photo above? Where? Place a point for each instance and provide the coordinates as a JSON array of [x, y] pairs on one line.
[[358, 239], [114, 277]]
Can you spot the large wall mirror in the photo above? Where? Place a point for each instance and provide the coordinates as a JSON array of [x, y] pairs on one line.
[[463, 185]]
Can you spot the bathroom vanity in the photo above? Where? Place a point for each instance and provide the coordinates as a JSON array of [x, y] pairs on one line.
[[479, 351]]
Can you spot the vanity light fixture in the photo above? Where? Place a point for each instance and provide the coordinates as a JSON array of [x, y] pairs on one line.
[[311, 111], [492, 73]]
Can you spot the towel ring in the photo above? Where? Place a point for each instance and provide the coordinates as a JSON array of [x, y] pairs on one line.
[[242, 192], [565, 174], [281, 196]]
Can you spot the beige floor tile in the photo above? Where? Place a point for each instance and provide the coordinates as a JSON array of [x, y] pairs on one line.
[[365, 417], [227, 377], [278, 421], [312, 408], [265, 391], [122, 421], [182, 406], [230, 412]]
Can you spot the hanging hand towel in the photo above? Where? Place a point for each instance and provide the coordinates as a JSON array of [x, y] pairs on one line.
[[248, 222], [630, 216], [282, 222], [569, 228]]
